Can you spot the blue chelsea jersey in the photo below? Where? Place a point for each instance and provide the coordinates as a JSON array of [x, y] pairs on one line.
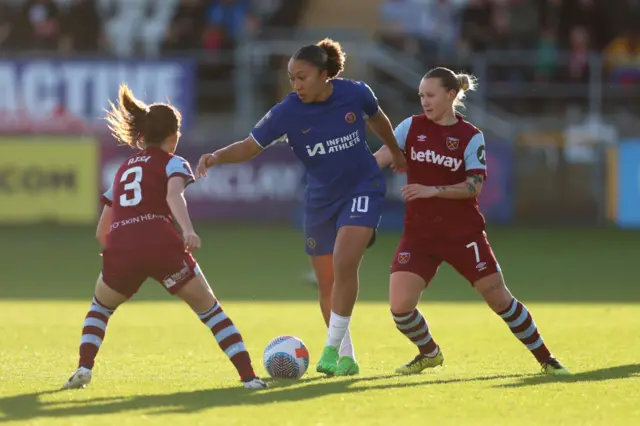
[[329, 138]]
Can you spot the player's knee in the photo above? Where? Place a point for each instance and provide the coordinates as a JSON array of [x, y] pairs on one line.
[[346, 266], [494, 291], [400, 303], [197, 294], [404, 291], [107, 296]]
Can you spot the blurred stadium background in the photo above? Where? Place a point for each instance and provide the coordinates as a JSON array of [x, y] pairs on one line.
[[558, 102]]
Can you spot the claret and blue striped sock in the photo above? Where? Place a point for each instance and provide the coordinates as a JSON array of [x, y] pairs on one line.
[[523, 326], [229, 339], [415, 328], [93, 331]]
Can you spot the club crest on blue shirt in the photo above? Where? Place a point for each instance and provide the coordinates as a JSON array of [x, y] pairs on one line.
[[453, 143], [350, 118]]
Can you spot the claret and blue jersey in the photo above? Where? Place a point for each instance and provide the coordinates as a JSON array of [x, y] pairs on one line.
[[345, 186]]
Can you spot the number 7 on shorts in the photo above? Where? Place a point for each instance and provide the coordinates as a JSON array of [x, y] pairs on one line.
[[474, 246]]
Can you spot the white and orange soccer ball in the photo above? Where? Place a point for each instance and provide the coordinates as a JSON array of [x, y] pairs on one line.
[[286, 357]]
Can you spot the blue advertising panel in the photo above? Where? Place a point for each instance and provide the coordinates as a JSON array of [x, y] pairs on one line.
[[628, 178], [37, 90], [496, 199]]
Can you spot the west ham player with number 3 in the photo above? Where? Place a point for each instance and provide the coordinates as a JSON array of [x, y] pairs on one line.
[[140, 240], [446, 167], [324, 121]]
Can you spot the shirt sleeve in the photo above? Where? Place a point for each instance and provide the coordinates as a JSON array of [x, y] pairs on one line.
[[178, 166], [475, 157], [402, 131], [369, 101], [107, 197], [271, 128]]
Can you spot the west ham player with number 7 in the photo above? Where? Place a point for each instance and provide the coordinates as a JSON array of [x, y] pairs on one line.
[[324, 121], [140, 240], [446, 167]]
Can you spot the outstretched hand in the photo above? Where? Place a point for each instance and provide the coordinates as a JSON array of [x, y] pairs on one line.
[[206, 161]]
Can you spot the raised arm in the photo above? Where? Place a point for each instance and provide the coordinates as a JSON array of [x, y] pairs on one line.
[[237, 152], [383, 155], [270, 129], [381, 126]]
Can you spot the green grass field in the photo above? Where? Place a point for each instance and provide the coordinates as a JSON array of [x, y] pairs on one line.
[[159, 365]]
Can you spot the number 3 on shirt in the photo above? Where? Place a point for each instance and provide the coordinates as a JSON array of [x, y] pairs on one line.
[[134, 186], [360, 204]]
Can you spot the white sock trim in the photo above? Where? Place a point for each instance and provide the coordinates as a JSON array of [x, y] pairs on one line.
[[338, 326]]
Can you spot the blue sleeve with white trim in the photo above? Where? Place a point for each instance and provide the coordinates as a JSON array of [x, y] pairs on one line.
[[271, 128], [178, 166], [475, 157], [402, 131]]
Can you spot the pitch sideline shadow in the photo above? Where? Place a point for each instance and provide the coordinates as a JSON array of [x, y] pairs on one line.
[[30, 406], [618, 372]]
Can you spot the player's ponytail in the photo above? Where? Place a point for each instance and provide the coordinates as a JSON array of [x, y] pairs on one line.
[[134, 123], [326, 55], [466, 82], [335, 57], [459, 83]]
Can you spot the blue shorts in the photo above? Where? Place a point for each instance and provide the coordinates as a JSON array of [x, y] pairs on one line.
[[321, 225]]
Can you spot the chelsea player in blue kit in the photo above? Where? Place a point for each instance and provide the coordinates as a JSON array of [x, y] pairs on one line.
[[324, 121]]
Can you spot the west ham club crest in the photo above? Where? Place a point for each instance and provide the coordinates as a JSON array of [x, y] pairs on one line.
[[453, 143]]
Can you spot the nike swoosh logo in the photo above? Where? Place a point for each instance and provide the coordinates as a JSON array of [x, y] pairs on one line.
[[307, 131]]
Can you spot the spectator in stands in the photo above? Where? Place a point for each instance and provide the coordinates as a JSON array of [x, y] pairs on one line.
[[584, 14], [622, 57], [579, 50], [233, 19], [546, 55], [82, 27], [185, 31], [41, 24]]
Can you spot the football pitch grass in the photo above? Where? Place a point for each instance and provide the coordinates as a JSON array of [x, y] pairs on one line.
[[160, 365]]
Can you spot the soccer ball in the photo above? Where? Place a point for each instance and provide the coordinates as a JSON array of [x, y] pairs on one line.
[[286, 357]]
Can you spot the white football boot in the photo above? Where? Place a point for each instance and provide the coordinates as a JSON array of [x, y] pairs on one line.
[[79, 380], [255, 383]]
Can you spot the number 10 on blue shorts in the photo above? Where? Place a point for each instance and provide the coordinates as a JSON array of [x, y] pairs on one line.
[[321, 225]]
